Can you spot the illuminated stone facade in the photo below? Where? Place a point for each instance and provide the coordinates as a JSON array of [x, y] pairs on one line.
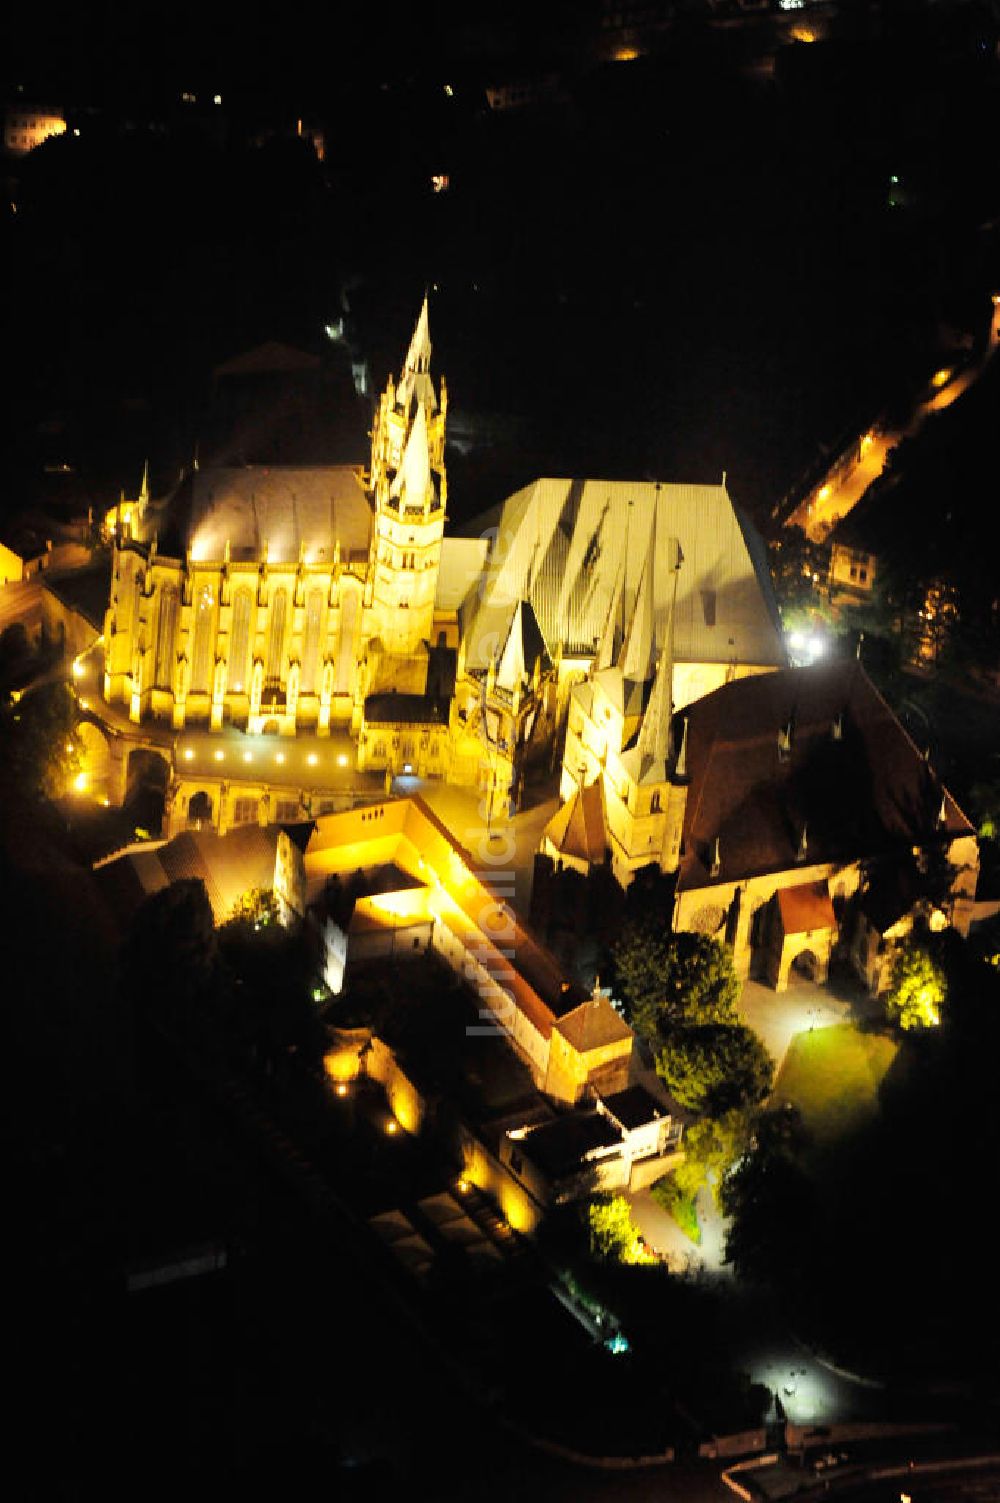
[[326, 601], [412, 889], [665, 641], [299, 591]]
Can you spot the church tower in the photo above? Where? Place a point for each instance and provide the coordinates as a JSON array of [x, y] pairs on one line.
[[408, 489]]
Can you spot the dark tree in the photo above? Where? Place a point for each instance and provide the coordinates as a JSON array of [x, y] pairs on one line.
[[669, 980], [715, 1068], [169, 961], [40, 752]]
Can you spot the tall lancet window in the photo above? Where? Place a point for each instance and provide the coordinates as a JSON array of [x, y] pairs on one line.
[[239, 647], [310, 645], [276, 639], [166, 631], [204, 641]]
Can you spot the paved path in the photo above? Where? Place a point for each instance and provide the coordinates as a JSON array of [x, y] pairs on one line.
[[678, 1251], [511, 844], [21, 600], [776, 1017]]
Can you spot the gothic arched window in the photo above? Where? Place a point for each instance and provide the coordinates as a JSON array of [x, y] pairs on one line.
[[239, 646], [276, 638], [204, 641], [166, 632], [310, 645]]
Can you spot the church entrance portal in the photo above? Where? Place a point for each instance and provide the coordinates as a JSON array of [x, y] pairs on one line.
[[805, 967], [200, 810]]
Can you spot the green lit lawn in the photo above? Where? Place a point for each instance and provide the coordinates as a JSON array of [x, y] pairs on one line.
[[832, 1075]]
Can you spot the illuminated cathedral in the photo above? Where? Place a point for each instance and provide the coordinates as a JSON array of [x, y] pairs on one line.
[[570, 624]]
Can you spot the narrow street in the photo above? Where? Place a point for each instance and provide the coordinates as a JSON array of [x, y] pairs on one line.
[[834, 496]]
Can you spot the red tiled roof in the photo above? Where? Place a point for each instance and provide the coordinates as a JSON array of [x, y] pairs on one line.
[[806, 907], [867, 792]]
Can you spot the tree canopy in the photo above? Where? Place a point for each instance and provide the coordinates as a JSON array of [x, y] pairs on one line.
[[666, 980], [170, 955], [257, 906], [918, 988], [40, 751], [614, 1236], [715, 1068], [711, 1147], [771, 1203], [799, 570]]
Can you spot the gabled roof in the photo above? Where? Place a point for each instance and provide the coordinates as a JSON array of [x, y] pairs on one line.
[[806, 907], [412, 482], [634, 1107], [864, 792], [404, 709], [461, 568], [593, 1025], [291, 507], [524, 646], [408, 833], [228, 865], [562, 544], [578, 828], [892, 893]]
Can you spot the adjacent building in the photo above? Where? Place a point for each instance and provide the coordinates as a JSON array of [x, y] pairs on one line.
[[389, 880], [807, 805]]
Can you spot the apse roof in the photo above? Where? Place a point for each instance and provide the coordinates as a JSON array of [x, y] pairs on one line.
[[290, 507]]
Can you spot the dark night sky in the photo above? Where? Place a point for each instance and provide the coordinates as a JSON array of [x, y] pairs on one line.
[[676, 273]]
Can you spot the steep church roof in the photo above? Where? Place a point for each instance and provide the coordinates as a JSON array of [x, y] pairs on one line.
[[562, 544], [412, 482], [848, 774], [290, 507], [521, 650], [416, 380], [578, 827]]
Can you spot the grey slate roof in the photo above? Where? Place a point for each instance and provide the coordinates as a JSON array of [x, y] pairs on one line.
[[289, 506]]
